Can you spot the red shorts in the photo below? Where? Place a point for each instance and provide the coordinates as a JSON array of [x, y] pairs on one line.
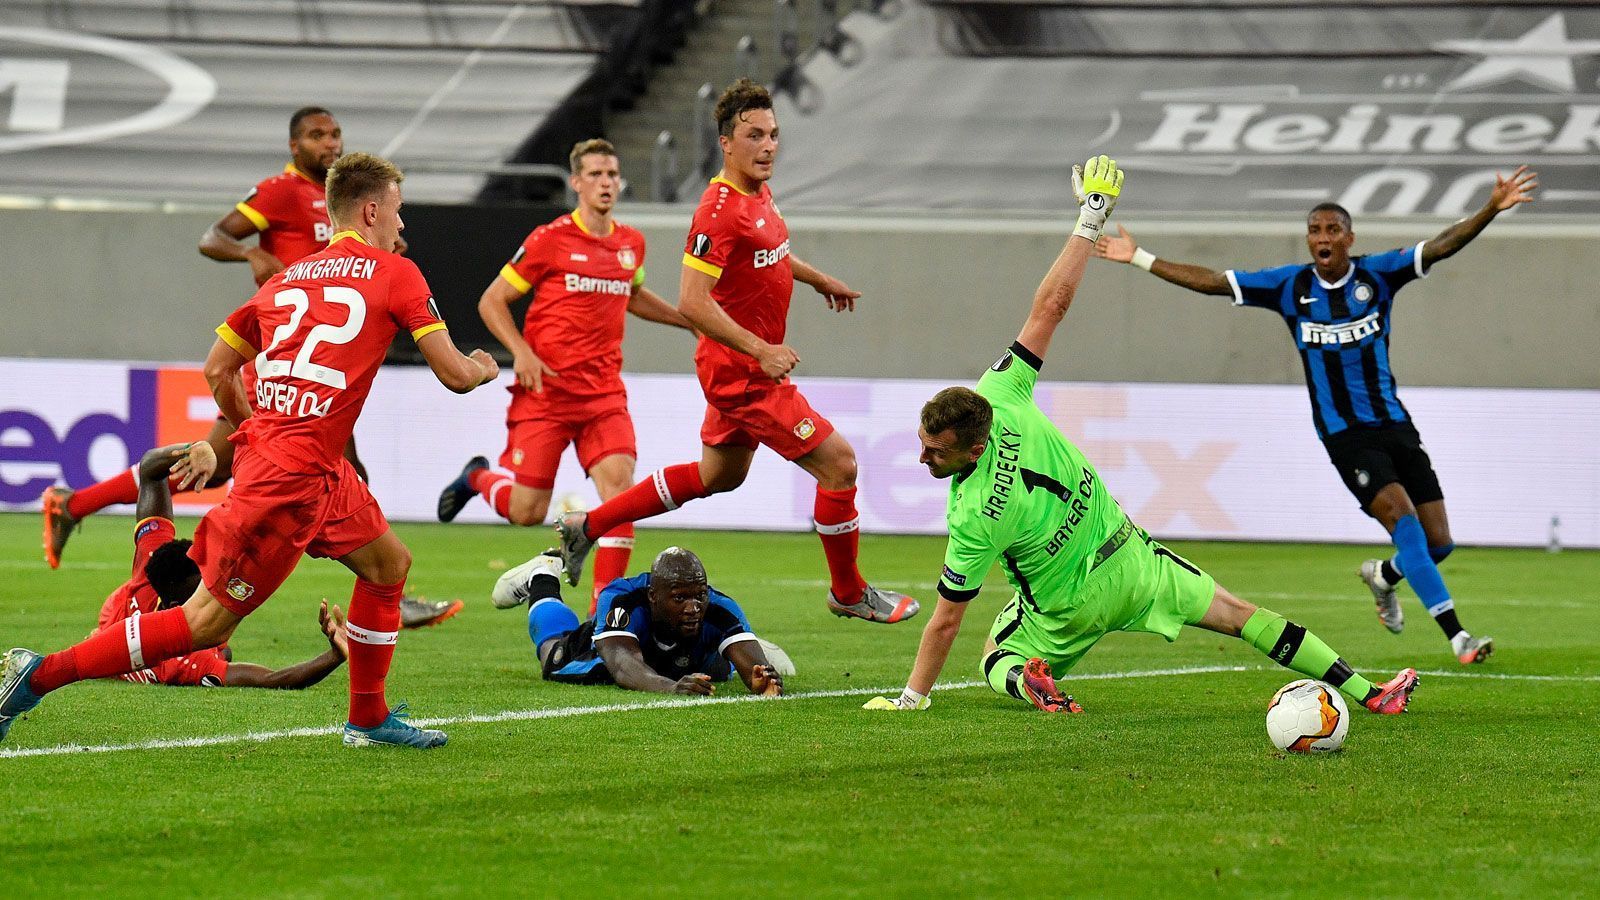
[[776, 415], [247, 545], [534, 446]]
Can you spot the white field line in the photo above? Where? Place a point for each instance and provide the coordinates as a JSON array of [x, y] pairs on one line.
[[1500, 676], [559, 712], [1349, 598], [563, 712]]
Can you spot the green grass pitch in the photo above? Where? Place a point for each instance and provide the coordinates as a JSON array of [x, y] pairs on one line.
[[1166, 786]]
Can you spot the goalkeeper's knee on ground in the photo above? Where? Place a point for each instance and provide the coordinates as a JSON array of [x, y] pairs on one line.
[[1003, 670]]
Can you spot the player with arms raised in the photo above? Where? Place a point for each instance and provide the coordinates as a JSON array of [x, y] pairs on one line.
[[322, 327], [1337, 308], [586, 272], [1023, 494], [738, 277]]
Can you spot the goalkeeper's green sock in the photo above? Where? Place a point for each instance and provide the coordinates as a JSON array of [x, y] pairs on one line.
[[1003, 669], [1291, 646]]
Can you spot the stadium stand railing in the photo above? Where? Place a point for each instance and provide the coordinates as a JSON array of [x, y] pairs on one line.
[[1218, 107], [479, 98], [801, 30]]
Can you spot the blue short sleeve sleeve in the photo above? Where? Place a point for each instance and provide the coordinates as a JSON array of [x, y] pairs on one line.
[[1261, 287]]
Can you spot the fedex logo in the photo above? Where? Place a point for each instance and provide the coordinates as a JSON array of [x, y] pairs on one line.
[[80, 423]]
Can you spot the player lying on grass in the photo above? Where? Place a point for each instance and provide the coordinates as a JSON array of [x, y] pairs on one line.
[[666, 630], [1337, 309], [165, 577], [1023, 494], [318, 332]]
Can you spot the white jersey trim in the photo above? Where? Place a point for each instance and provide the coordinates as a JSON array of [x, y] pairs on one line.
[[1233, 282]]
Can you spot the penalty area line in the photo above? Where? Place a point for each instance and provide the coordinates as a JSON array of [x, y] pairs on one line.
[[563, 712]]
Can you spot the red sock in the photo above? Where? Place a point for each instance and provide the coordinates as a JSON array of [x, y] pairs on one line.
[[611, 560], [374, 626], [840, 529], [495, 488], [123, 488], [134, 643], [665, 489]]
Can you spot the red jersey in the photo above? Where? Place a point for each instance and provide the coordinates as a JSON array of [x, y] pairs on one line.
[[323, 326], [136, 597], [291, 212], [741, 240], [582, 283]]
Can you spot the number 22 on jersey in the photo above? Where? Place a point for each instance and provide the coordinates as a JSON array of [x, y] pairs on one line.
[[283, 397]]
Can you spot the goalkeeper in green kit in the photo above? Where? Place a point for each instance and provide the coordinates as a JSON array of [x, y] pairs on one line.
[[1024, 496]]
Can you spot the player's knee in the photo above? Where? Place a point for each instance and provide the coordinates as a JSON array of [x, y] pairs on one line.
[[394, 567], [528, 512], [527, 517], [210, 625], [843, 474], [1438, 553], [721, 481], [838, 471], [1391, 505]]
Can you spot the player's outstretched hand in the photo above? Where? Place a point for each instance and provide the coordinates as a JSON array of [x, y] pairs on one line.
[[777, 360], [697, 684], [1097, 184], [899, 704], [1509, 192], [1117, 249], [195, 465], [838, 294], [333, 628], [766, 681]]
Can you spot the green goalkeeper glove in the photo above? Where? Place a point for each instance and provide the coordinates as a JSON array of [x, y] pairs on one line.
[[908, 700], [1096, 184]]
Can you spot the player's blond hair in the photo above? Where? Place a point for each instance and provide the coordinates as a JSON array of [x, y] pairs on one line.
[[961, 410], [591, 147], [356, 177]]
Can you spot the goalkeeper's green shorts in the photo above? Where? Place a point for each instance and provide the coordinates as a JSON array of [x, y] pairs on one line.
[[1141, 587]]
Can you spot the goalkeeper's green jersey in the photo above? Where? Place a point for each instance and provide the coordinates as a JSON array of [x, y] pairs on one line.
[[1032, 501]]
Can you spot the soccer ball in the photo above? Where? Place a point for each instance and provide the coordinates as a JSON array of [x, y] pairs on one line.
[[775, 655], [1307, 716]]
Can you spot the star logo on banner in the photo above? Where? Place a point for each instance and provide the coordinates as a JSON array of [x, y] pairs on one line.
[[1542, 56]]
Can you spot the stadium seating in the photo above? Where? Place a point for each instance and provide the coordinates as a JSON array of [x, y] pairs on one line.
[[1392, 107], [451, 90]]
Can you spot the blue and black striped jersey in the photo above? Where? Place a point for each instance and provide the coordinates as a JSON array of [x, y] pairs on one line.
[[1342, 332], [624, 610]]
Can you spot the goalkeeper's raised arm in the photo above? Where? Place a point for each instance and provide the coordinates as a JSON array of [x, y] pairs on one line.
[[1097, 185], [955, 452]]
